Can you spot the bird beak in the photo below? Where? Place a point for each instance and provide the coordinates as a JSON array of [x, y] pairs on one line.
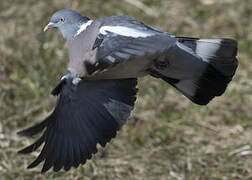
[[49, 26]]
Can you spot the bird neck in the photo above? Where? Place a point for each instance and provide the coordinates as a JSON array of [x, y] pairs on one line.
[[73, 30], [83, 27]]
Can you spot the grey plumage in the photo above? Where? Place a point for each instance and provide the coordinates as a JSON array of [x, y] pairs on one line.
[[81, 50], [68, 22], [109, 54]]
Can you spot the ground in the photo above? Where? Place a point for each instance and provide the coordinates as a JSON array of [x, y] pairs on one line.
[[167, 137]]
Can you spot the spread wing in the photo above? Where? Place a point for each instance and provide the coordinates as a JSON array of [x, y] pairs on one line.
[[117, 44], [112, 40], [84, 116]]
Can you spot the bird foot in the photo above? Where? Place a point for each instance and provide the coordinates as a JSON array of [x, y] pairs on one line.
[[67, 77], [75, 80]]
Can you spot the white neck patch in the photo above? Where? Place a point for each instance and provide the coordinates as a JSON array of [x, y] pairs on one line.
[[124, 31], [83, 27]]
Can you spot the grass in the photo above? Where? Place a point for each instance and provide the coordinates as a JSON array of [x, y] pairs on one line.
[[167, 137]]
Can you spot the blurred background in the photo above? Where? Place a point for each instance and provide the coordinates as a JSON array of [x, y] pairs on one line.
[[167, 137]]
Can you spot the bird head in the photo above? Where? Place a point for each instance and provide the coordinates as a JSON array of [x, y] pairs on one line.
[[67, 21]]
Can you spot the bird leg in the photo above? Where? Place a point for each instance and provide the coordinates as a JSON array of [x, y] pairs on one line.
[[67, 77], [76, 81], [70, 76]]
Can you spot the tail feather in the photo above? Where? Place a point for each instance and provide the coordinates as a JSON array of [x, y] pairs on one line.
[[220, 53], [200, 68]]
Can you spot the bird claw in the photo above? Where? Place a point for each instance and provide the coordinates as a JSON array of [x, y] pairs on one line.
[[66, 78], [76, 81]]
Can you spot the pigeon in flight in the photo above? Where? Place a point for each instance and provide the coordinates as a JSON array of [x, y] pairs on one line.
[[97, 94]]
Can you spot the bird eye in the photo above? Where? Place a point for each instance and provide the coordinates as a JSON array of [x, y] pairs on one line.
[[62, 19]]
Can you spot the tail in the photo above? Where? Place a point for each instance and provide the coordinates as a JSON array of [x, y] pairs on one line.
[[199, 68]]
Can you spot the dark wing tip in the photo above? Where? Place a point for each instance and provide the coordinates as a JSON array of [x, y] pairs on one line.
[[32, 147], [97, 110], [39, 159], [29, 132]]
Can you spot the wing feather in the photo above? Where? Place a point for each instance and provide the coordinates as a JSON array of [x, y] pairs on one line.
[[116, 49], [84, 116]]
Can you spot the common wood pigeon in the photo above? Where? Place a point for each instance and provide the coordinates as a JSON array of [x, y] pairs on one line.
[[98, 92]]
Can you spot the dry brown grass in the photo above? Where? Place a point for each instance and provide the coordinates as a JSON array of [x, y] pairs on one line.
[[167, 137]]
